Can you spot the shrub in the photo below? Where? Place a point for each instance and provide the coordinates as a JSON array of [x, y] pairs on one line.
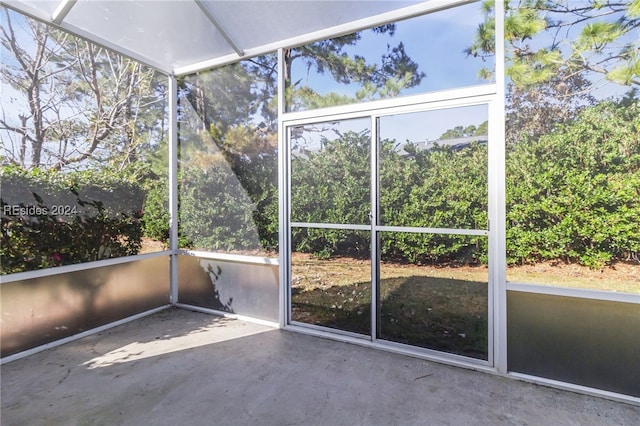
[[215, 211], [71, 218], [574, 195], [437, 188], [156, 210]]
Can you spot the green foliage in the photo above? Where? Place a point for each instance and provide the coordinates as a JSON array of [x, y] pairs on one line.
[[156, 210], [396, 72], [215, 212], [229, 173], [536, 111], [72, 218], [548, 37], [465, 132], [338, 176], [331, 185], [634, 9], [574, 194], [437, 188]]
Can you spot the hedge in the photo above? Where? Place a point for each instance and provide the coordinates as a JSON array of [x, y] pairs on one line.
[[52, 219], [572, 195]]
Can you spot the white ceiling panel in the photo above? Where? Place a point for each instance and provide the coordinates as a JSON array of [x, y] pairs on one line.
[[45, 6], [175, 33], [186, 35], [271, 21]]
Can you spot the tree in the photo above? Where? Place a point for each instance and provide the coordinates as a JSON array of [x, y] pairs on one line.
[[465, 132], [538, 110], [559, 55], [82, 103], [245, 93], [547, 38], [395, 72], [233, 94]]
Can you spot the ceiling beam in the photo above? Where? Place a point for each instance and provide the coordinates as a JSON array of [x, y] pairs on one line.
[[335, 31], [63, 9], [219, 27]]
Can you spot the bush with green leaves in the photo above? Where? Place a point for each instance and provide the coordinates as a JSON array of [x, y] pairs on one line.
[[332, 185], [574, 194], [216, 213], [257, 173], [156, 210], [442, 187], [53, 219]]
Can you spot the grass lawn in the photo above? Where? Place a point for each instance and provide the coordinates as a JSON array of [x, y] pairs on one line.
[[436, 307], [418, 307]]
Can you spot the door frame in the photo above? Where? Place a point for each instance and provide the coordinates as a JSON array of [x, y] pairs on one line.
[[476, 95]]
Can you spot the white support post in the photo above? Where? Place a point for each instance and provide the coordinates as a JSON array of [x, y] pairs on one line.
[[498, 219], [216, 23], [374, 214], [283, 188], [173, 187], [63, 9]]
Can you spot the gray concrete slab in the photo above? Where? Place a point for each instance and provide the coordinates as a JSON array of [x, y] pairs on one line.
[[181, 367]]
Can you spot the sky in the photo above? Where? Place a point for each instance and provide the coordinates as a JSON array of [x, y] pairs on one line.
[[430, 125], [415, 127], [428, 40], [437, 43]]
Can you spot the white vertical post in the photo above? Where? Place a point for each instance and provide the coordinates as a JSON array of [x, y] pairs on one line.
[[374, 214], [497, 215], [283, 188], [173, 188]]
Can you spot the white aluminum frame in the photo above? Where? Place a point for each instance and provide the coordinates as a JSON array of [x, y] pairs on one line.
[[455, 98], [442, 99], [216, 23], [173, 188], [374, 216], [283, 189], [229, 257], [63, 9], [497, 195], [39, 273], [580, 293]]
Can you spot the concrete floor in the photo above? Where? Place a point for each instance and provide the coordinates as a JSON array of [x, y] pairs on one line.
[[180, 367]]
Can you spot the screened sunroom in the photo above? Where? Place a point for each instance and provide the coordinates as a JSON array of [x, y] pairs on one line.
[[456, 181]]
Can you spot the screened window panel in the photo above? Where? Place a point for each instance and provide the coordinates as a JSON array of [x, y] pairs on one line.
[[228, 170], [84, 174]]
